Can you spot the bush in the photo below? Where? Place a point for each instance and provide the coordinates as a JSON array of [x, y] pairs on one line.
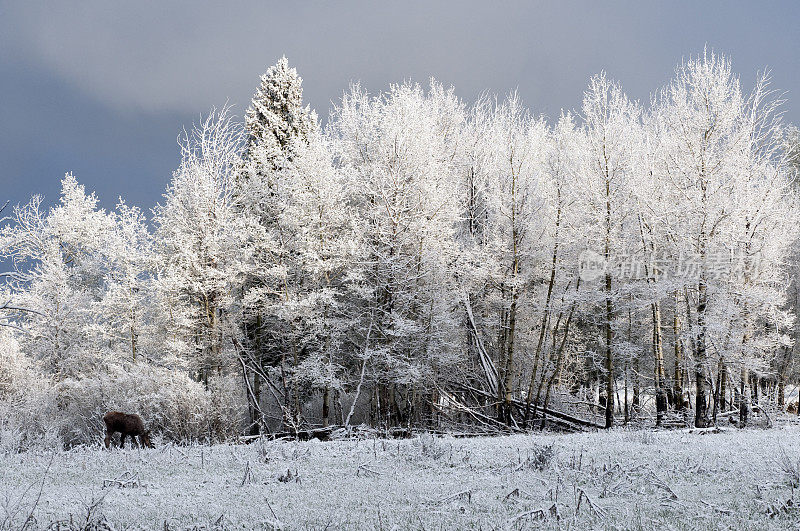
[[36, 410], [28, 411], [172, 405]]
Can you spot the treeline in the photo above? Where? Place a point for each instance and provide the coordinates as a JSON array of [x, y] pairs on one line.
[[420, 262]]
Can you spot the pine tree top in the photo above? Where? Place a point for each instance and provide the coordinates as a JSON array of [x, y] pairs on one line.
[[276, 119]]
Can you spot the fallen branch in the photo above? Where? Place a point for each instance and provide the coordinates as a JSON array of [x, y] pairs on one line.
[[462, 494], [539, 514], [124, 481], [489, 369], [480, 417], [248, 475], [360, 378], [662, 484], [578, 423], [367, 470]]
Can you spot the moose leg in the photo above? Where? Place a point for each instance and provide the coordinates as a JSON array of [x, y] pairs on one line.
[[107, 440], [122, 441]]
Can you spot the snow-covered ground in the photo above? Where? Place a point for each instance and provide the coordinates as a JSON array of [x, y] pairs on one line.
[[619, 479]]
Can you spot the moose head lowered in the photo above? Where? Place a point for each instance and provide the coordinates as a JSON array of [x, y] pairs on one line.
[[126, 424]]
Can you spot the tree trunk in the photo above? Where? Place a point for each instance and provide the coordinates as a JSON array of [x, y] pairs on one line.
[[701, 392], [553, 352], [659, 379], [719, 389], [754, 388], [326, 406], [744, 399], [609, 365], [627, 405], [508, 386], [502, 352], [636, 402], [545, 314], [658, 355], [678, 382], [537, 353], [559, 356], [255, 418], [723, 378]]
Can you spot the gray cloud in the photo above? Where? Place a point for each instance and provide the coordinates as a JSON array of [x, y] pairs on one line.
[[137, 71], [186, 56]]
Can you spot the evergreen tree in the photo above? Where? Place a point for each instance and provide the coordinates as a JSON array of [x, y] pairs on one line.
[[276, 119], [280, 133]]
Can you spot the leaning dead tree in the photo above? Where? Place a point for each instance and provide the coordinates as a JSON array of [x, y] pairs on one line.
[[471, 398]]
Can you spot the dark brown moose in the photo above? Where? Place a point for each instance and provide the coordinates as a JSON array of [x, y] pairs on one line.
[[126, 424]]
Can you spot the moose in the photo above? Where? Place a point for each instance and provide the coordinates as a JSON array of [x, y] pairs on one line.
[[126, 424]]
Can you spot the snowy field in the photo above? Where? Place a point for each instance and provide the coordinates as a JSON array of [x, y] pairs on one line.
[[606, 480]]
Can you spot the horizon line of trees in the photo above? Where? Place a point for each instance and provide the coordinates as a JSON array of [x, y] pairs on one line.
[[422, 262]]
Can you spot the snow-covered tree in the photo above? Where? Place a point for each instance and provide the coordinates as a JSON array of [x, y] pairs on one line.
[[317, 305], [126, 301], [198, 240], [510, 182], [394, 150], [276, 122], [734, 204], [612, 135], [60, 261], [280, 133]]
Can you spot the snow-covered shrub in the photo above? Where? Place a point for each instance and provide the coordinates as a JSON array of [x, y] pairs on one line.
[[539, 457], [172, 405], [430, 446], [227, 406], [28, 413]]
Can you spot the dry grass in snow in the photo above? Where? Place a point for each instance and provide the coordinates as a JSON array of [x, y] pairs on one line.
[[605, 480]]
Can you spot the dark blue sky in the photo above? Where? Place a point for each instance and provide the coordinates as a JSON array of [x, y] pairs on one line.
[[103, 88]]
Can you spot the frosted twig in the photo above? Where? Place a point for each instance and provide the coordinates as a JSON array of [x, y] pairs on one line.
[[462, 494], [540, 514], [662, 484], [723, 511], [595, 508], [125, 480], [248, 475], [518, 492], [366, 469]]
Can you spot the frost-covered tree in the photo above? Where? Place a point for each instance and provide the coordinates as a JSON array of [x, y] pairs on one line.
[[280, 132], [561, 240], [198, 243], [8, 308], [733, 199], [60, 260], [786, 368], [318, 299], [126, 300], [510, 182], [276, 122], [394, 151], [612, 135]]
